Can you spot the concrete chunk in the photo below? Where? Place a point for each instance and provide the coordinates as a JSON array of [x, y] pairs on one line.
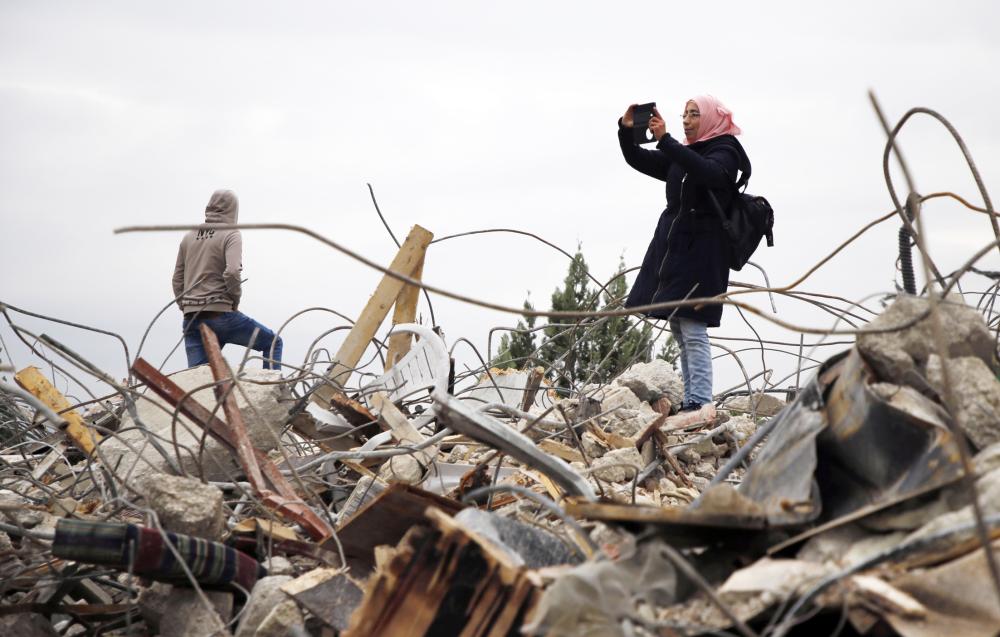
[[900, 356], [264, 422], [184, 505], [653, 380]]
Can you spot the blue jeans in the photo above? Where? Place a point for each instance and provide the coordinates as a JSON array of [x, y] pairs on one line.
[[232, 327], [696, 359]]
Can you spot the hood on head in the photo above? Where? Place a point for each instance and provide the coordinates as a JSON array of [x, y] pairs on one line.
[[223, 207]]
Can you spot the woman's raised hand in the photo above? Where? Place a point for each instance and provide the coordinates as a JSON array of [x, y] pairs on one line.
[[656, 125], [627, 119]]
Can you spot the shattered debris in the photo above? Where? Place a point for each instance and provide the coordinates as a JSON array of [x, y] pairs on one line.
[[241, 502]]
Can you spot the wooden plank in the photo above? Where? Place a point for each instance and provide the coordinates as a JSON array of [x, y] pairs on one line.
[[83, 436], [409, 257], [404, 312]]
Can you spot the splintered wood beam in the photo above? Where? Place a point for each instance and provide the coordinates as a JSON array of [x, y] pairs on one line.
[[405, 311], [35, 383], [408, 259]]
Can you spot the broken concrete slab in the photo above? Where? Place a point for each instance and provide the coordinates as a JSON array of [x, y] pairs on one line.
[[184, 505], [653, 380], [976, 394], [900, 356], [130, 453]]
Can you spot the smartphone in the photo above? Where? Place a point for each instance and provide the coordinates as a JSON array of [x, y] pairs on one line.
[[640, 123]]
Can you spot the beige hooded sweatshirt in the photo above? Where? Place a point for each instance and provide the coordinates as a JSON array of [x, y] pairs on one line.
[[209, 261]]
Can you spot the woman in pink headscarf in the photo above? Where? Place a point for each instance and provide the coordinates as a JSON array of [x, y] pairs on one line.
[[687, 258]]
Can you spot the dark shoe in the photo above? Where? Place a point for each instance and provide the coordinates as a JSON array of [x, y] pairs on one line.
[[690, 406]]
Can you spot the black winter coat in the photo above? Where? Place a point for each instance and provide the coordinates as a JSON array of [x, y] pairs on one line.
[[687, 256]]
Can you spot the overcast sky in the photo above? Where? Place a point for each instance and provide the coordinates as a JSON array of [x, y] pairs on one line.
[[463, 116]]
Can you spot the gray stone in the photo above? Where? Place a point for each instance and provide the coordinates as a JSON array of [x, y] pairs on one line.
[[265, 596], [184, 505], [26, 625], [186, 615], [281, 620], [619, 465], [767, 404], [263, 423], [653, 380], [900, 356], [976, 392]]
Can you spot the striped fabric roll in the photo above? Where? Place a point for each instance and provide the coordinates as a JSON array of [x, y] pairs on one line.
[[108, 543]]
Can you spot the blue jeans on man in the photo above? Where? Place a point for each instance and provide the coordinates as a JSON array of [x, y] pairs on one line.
[[231, 327], [696, 360]]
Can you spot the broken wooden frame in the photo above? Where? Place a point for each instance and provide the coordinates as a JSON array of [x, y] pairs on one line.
[[444, 579]]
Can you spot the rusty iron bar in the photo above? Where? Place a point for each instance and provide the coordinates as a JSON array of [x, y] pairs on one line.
[[234, 418]]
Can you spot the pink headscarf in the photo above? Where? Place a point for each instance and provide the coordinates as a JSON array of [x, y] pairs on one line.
[[716, 119]]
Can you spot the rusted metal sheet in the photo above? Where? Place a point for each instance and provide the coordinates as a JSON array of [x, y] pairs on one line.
[[873, 451]]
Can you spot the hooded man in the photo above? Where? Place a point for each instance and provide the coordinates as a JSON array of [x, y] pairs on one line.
[[207, 286]]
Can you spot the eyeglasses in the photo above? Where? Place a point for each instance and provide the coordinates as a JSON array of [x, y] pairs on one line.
[[691, 114]]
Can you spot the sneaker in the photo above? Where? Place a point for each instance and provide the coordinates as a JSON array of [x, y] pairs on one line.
[[690, 406]]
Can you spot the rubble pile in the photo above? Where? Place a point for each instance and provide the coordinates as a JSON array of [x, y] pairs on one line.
[[216, 501]]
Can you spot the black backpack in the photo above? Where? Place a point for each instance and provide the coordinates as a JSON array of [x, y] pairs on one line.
[[748, 220]]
